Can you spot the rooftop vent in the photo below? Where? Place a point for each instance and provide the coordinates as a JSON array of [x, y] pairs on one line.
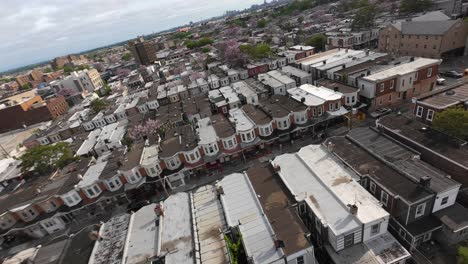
[[450, 92], [353, 209], [425, 181]]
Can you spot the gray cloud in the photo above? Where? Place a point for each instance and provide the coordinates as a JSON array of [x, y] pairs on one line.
[[37, 30]]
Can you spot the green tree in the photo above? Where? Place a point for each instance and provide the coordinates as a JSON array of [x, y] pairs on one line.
[[262, 23], [452, 121], [317, 41], [67, 69], [205, 49], [259, 51], [25, 86], [300, 19], [97, 105], [47, 70], [414, 6], [192, 44], [127, 56], [365, 16], [46, 159]]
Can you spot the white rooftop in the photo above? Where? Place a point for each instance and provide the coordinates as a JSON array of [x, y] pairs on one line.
[[283, 78], [243, 123], [9, 169], [269, 80], [176, 239], [303, 183], [93, 172], [149, 155], [229, 94], [143, 236], [243, 209], [328, 57], [341, 181], [321, 92], [89, 143], [243, 88], [295, 71], [206, 131], [402, 69]]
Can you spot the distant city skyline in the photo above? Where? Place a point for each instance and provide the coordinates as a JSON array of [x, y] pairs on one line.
[[35, 31]]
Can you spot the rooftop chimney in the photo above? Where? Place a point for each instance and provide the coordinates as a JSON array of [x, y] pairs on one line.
[[425, 181], [353, 209], [159, 209]]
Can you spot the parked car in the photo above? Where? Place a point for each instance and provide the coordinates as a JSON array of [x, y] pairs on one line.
[[440, 81], [381, 112], [453, 74]]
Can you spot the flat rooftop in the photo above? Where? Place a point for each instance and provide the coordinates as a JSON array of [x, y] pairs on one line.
[[210, 224], [402, 158], [143, 236], [402, 69], [364, 163], [176, 238], [446, 98], [242, 209], [444, 145], [110, 249], [278, 208], [304, 186], [238, 117]]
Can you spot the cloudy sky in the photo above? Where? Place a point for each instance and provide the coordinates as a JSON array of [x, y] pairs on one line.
[[38, 30]]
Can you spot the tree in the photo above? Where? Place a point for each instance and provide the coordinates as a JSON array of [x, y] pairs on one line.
[[205, 49], [300, 19], [25, 86], [97, 105], [414, 6], [262, 23], [123, 72], [127, 56], [364, 17], [67, 69], [150, 127], [259, 51], [199, 43], [46, 159], [317, 41], [452, 121], [47, 70]]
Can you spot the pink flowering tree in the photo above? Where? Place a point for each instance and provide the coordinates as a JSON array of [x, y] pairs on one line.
[[231, 54], [150, 127], [122, 73]]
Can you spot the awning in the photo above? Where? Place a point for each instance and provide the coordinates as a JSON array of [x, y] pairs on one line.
[[340, 112]]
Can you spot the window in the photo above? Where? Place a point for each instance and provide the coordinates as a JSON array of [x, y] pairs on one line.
[[402, 233], [389, 97], [320, 111], [372, 187], [419, 111], [420, 210], [302, 208], [403, 83], [349, 240], [399, 95], [318, 225], [426, 237], [392, 84], [375, 229], [382, 87], [430, 115], [429, 72], [300, 260], [380, 101], [444, 201], [330, 106], [384, 198], [90, 192], [416, 76]]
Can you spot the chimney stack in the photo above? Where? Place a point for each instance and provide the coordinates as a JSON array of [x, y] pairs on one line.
[[425, 181], [159, 209], [353, 209]]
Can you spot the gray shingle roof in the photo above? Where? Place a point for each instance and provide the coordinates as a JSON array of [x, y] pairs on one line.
[[426, 27]]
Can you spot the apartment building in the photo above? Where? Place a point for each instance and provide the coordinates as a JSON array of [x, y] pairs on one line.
[[392, 86], [32, 78], [84, 81], [432, 35], [144, 51], [348, 39]]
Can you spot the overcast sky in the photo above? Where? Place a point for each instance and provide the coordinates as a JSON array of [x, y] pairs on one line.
[[38, 30]]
